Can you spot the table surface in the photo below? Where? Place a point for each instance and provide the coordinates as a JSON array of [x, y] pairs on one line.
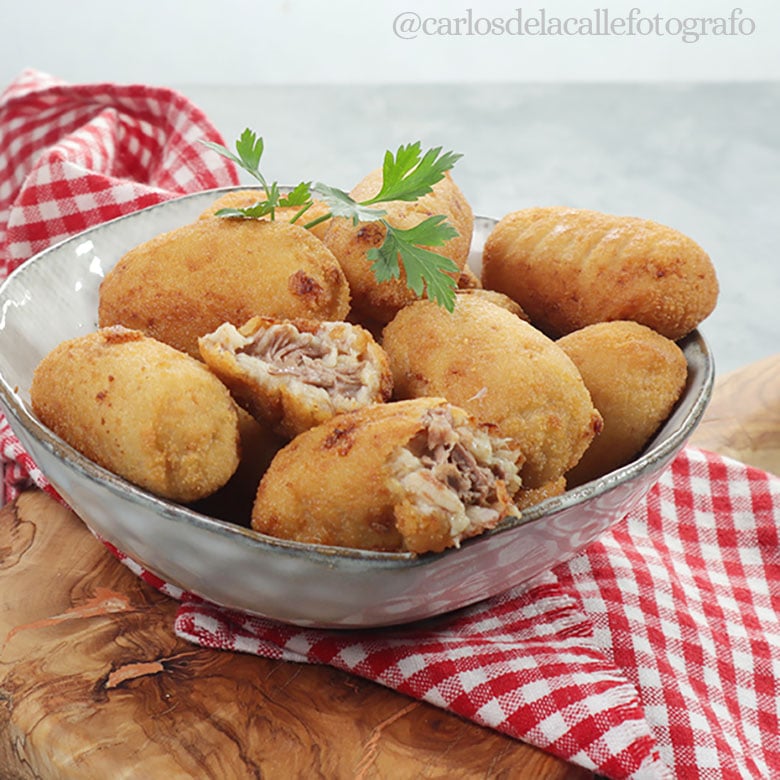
[[94, 684]]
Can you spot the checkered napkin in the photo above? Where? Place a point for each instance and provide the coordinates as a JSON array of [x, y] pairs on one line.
[[72, 156], [653, 654]]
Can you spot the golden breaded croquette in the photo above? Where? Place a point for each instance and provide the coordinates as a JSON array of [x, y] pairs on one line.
[[350, 243], [147, 412], [635, 376], [501, 370], [294, 374], [528, 497], [241, 199], [499, 299], [427, 476], [468, 280], [185, 283], [569, 268]]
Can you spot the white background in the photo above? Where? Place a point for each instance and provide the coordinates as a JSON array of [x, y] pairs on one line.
[[175, 42]]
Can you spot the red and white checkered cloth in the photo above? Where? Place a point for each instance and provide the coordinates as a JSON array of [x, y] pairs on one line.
[[653, 654], [72, 156]]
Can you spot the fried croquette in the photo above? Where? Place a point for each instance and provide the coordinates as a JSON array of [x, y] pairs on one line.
[[141, 409], [241, 199], [499, 299], [294, 374], [350, 243], [468, 280], [528, 497], [500, 369], [187, 282], [569, 268], [635, 376], [428, 477]]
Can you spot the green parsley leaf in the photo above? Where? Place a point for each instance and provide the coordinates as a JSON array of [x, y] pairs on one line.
[[425, 270], [433, 231], [250, 150], [341, 204], [256, 211], [408, 176], [221, 150], [272, 194], [300, 196]]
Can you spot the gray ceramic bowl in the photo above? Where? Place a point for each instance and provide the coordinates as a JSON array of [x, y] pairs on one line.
[[54, 297]]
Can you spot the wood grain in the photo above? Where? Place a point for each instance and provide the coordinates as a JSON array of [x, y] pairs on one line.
[[743, 418], [94, 684]]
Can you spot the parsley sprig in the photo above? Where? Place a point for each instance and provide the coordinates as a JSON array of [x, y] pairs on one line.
[[407, 175], [250, 151]]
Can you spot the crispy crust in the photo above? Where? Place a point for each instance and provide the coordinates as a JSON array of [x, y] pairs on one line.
[[635, 376], [502, 370], [569, 268], [468, 280], [233, 501], [141, 409], [497, 298], [528, 497], [185, 283], [309, 492]]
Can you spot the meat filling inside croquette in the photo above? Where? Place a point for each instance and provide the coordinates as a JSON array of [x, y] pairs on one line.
[[328, 361], [458, 471], [331, 364]]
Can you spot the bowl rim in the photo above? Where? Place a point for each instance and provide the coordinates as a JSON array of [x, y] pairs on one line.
[[17, 411]]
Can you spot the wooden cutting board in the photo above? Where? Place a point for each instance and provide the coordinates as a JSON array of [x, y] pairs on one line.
[[94, 684]]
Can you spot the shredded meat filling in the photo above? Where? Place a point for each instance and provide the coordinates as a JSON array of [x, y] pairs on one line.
[[450, 462], [286, 351]]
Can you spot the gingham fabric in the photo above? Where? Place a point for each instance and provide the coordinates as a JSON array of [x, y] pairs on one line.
[[72, 156], [653, 654]]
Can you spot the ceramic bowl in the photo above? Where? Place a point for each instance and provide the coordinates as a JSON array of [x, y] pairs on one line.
[[54, 297]]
